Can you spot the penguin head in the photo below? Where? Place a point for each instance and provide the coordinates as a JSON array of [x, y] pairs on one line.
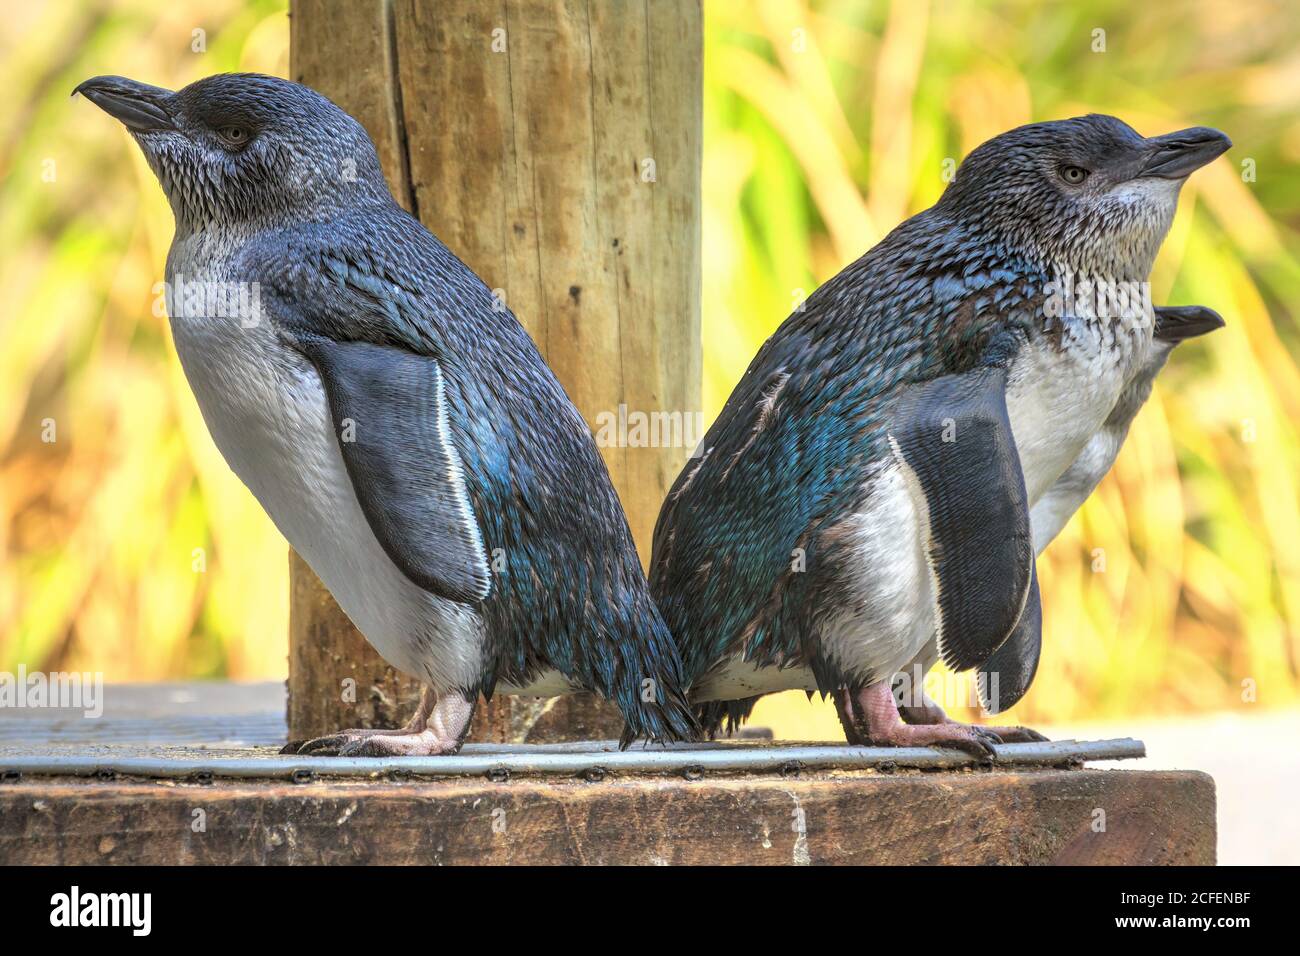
[[241, 147], [1089, 194]]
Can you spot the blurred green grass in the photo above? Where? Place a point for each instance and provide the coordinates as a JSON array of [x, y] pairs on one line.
[[100, 527], [825, 124]]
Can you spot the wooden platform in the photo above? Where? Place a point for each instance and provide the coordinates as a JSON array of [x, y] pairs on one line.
[[232, 800]]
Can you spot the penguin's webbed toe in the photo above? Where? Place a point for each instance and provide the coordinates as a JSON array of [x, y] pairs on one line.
[[976, 741], [870, 717], [1018, 735], [378, 743], [327, 746]]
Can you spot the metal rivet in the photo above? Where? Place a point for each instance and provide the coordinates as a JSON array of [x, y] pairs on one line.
[[595, 774], [693, 772], [498, 775], [303, 775], [792, 768]]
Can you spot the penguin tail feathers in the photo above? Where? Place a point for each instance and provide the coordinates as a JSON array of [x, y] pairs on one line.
[[651, 690], [721, 718], [668, 719]]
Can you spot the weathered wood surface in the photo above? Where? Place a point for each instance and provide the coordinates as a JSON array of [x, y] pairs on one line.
[[1007, 815], [1030, 817], [554, 145]]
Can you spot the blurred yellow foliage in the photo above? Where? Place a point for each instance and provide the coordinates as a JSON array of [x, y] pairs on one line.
[[129, 547]]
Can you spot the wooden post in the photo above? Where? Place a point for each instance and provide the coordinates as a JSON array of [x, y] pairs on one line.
[[555, 147]]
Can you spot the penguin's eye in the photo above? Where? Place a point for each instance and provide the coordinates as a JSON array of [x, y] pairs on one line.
[[1074, 174], [235, 136]]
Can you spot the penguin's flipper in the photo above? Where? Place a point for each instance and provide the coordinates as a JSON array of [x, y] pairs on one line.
[[1178, 323], [954, 438], [1004, 677], [390, 415]]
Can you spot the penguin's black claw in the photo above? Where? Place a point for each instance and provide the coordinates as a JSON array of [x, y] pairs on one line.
[[1018, 735], [976, 741], [979, 744], [329, 746], [292, 747]]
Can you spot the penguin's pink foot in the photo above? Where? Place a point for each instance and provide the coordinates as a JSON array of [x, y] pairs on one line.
[[870, 718], [369, 744], [930, 713], [438, 727], [1009, 735]]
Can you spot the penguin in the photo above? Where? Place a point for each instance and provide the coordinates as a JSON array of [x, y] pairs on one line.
[[395, 421], [1006, 676], [864, 498], [1173, 325]]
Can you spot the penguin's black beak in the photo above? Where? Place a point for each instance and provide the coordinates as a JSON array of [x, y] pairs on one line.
[[1180, 154], [141, 108], [1177, 323]]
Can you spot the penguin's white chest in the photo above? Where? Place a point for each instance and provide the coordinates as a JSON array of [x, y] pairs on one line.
[[1059, 397], [267, 411]]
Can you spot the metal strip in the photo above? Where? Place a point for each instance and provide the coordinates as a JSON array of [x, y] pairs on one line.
[[559, 760]]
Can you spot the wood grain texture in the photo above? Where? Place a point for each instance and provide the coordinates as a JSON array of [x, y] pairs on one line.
[[345, 51], [1029, 817], [555, 147], [533, 161]]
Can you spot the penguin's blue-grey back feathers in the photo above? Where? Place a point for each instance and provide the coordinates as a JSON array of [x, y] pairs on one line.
[[477, 474], [745, 553]]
